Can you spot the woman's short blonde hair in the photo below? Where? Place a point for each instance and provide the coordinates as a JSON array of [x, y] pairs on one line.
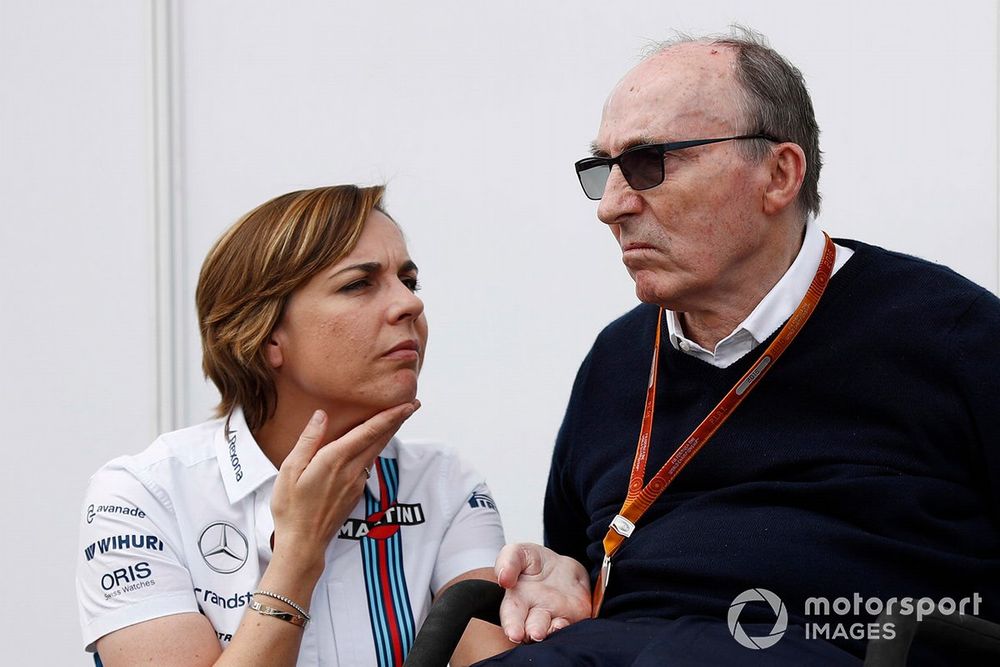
[[251, 271]]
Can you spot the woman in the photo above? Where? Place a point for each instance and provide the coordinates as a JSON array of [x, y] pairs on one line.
[[293, 529]]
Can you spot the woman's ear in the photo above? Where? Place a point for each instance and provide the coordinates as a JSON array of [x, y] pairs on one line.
[[273, 350], [788, 169]]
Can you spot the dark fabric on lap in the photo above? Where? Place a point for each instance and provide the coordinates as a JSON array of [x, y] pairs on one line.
[[689, 642]]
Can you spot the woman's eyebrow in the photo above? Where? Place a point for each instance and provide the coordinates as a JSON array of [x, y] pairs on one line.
[[364, 267], [369, 268]]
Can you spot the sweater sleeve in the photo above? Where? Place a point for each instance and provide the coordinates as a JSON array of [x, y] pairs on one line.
[[565, 516], [976, 356]]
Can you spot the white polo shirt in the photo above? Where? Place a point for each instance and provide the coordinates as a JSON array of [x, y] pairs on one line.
[[186, 525]]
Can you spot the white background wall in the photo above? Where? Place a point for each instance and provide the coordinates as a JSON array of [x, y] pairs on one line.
[[128, 142]]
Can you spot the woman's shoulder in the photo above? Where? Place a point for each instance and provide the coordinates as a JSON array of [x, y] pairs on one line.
[[424, 455], [163, 458], [433, 467]]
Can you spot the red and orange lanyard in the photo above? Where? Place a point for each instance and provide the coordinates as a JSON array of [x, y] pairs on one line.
[[639, 498]]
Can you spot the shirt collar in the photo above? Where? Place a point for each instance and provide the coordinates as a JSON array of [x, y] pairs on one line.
[[772, 311], [243, 465]]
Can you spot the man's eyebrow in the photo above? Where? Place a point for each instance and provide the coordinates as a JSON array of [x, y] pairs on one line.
[[597, 151]]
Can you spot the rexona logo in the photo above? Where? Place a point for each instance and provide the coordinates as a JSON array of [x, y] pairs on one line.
[[234, 460], [93, 510], [382, 525], [123, 542], [780, 623]]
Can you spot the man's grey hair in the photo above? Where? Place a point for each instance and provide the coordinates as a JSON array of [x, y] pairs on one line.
[[775, 103]]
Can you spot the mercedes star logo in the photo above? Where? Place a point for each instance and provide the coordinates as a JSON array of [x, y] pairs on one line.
[[223, 547]]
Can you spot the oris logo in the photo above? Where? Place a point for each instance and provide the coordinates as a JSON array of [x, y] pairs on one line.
[[223, 547]]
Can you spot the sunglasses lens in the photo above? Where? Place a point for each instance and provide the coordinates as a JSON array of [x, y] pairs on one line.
[[642, 167], [593, 178]]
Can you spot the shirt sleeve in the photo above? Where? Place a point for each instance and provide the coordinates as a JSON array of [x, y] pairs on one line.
[[474, 535], [130, 566]]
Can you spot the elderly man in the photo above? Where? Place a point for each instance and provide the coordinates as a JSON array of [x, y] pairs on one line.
[[815, 419]]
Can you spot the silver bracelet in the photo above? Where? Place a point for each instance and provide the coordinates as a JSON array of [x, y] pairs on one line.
[[282, 598], [281, 614]]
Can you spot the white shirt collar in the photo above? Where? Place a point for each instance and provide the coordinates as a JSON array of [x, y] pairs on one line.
[[245, 467], [772, 311]]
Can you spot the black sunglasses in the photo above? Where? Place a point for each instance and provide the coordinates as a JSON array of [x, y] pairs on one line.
[[642, 166]]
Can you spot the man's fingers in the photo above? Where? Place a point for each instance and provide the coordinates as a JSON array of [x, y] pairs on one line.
[[308, 443], [536, 626], [512, 615], [514, 560], [558, 623], [510, 562]]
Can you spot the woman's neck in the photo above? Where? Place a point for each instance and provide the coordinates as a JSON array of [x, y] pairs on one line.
[[278, 435]]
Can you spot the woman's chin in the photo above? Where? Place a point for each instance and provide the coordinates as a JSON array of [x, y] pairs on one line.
[[404, 390]]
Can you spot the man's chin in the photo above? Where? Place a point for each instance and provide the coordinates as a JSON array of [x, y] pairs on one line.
[[649, 291]]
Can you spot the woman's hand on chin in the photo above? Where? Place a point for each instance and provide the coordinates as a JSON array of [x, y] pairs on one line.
[[319, 484]]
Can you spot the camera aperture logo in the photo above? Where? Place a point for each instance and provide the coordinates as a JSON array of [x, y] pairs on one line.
[[855, 617], [780, 623]]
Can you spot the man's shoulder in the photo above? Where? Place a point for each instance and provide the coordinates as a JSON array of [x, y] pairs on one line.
[[890, 266], [639, 319]]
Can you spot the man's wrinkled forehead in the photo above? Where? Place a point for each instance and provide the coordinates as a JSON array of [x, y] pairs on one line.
[[682, 87]]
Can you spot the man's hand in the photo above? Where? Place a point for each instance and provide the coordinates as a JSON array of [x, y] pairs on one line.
[[545, 591]]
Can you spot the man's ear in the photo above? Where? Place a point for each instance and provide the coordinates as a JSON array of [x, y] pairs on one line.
[[273, 349], [788, 168]]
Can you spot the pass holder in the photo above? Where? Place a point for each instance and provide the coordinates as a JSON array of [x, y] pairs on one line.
[[622, 526]]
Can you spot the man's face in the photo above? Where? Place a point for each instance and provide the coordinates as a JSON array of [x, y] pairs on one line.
[[690, 242]]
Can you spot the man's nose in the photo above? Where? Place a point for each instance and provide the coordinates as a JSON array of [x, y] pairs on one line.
[[619, 200]]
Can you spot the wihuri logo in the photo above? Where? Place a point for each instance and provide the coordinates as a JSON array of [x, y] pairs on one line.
[[780, 623]]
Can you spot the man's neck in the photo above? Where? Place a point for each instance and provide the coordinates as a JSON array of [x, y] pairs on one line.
[[707, 327]]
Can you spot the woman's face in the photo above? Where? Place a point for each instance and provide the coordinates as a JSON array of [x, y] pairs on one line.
[[352, 338]]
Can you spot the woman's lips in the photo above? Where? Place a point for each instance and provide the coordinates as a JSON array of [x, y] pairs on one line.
[[408, 350]]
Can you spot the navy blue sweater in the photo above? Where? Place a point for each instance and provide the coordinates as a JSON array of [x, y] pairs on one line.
[[867, 461]]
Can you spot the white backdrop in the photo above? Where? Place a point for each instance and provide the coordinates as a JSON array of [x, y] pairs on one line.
[[120, 132]]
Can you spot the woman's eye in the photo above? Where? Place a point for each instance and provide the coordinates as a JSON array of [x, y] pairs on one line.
[[411, 283], [355, 286]]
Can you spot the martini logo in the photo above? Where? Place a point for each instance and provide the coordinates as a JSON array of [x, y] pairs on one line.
[[384, 524], [780, 623], [223, 547]]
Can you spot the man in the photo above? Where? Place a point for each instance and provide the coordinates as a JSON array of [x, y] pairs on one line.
[[861, 463]]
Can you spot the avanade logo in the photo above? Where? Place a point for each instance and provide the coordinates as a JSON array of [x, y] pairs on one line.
[[93, 511]]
